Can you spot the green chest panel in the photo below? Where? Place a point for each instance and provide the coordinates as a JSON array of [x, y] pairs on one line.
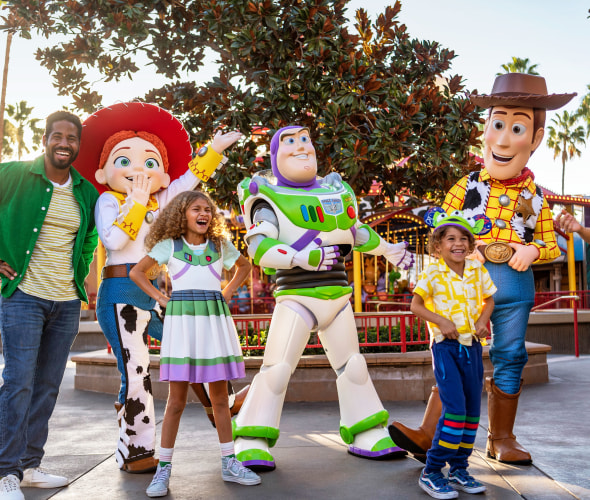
[[184, 253], [323, 209]]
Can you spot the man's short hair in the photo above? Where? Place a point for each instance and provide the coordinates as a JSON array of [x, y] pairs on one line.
[[59, 116]]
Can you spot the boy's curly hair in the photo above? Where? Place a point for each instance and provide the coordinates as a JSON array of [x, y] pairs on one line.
[[436, 237], [171, 224]]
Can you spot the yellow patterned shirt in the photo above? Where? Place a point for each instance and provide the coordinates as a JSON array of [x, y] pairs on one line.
[[459, 299], [494, 210], [50, 274]]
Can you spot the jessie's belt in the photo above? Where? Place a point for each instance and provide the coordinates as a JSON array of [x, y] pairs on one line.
[[116, 271], [497, 252], [122, 271]]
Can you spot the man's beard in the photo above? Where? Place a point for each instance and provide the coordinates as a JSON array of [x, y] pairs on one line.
[[63, 164]]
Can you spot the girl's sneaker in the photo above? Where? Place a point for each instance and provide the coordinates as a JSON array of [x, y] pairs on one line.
[[436, 485], [462, 480], [233, 470], [159, 485]]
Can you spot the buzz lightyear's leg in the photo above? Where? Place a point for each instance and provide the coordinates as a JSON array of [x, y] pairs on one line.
[[256, 428], [363, 420]]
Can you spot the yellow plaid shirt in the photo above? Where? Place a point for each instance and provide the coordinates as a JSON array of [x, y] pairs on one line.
[[460, 299], [543, 230]]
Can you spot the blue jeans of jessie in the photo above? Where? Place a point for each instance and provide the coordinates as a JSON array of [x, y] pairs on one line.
[[513, 302], [36, 337]]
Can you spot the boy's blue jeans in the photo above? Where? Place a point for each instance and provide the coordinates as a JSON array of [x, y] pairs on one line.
[[36, 338]]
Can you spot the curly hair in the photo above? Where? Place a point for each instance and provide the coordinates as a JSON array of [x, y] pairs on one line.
[[437, 235], [171, 224]]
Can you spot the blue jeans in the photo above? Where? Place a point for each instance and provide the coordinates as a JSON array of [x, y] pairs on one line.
[[513, 302], [36, 337]]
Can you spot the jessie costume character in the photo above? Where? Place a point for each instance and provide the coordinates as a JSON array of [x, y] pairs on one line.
[[522, 234], [139, 157]]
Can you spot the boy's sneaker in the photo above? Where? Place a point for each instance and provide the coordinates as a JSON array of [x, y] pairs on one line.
[[233, 470], [159, 485], [10, 488], [38, 478], [436, 485], [462, 480]]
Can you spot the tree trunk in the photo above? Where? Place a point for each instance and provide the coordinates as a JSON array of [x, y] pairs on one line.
[[4, 82]]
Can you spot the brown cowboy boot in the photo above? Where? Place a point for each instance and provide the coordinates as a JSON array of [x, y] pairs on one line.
[[239, 400], [203, 396], [141, 466], [502, 444], [418, 441]]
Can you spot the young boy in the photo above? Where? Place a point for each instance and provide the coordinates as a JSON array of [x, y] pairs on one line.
[[455, 296]]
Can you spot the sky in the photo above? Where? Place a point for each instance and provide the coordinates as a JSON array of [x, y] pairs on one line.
[[484, 35]]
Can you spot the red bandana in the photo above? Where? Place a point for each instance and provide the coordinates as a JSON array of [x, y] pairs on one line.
[[524, 175]]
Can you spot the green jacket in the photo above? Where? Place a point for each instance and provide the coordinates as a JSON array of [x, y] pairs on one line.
[[25, 192]]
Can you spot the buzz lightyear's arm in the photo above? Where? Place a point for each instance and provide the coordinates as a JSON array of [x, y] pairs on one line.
[[268, 252], [368, 241]]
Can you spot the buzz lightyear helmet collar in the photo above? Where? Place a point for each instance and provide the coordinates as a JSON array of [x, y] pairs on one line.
[[477, 225]]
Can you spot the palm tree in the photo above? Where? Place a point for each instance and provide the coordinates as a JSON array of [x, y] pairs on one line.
[[564, 139], [4, 82], [9, 138], [518, 65], [20, 115], [584, 111]]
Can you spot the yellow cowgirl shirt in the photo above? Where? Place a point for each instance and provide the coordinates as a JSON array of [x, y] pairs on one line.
[[517, 209], [460, 299]]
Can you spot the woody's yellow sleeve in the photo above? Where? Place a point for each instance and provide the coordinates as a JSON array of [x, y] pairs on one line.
[[544, 232], [205, 163], [456, 196]]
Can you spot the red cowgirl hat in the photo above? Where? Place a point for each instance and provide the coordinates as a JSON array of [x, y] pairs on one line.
[[523, 90], [137, 117]]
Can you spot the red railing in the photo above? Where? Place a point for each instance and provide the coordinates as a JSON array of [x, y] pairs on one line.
[[548, 298], [385, 332], [574, 306]]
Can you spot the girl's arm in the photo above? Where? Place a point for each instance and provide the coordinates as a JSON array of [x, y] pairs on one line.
[[243, 267], [481, 325], [137, 274], [446, 326]]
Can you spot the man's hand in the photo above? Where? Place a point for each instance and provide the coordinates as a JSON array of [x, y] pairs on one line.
[[397, 254], [223, 141], [140, 189], [477, 255], [524, 256], [316, 259], [7, 271]]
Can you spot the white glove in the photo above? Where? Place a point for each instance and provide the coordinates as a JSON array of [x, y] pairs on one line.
[[316, 259], [397, 254]]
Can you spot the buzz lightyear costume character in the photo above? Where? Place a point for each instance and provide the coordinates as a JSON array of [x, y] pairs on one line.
[[522, 234], [300, 227], [142, 155]]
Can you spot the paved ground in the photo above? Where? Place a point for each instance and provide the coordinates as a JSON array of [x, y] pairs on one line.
[[311, 459]]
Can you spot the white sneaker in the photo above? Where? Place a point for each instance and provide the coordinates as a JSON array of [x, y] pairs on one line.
[[159, 485], [233, 470], [38, 478], [10, 488]]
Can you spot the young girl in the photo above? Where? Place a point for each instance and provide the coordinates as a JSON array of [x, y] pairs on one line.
[[455, 296], [199, 342]]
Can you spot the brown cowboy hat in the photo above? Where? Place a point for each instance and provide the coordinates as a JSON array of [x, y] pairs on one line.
[[521, 89], [136, 116]]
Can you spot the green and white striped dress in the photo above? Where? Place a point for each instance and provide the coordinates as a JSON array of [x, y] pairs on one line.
[[199, 342]]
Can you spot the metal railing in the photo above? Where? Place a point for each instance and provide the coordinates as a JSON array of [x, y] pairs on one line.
[[542, 298], [574, 306]]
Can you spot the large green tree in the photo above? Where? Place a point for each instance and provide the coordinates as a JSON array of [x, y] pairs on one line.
[[369, 92], [564, 138]]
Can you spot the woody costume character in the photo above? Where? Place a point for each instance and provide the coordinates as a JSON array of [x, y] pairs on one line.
[[139, 157], [522, 233]]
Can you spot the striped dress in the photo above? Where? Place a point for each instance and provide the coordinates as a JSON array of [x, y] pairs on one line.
[[199, 342]]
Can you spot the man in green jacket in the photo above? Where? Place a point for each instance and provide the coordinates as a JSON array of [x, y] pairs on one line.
[[47, 241]]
